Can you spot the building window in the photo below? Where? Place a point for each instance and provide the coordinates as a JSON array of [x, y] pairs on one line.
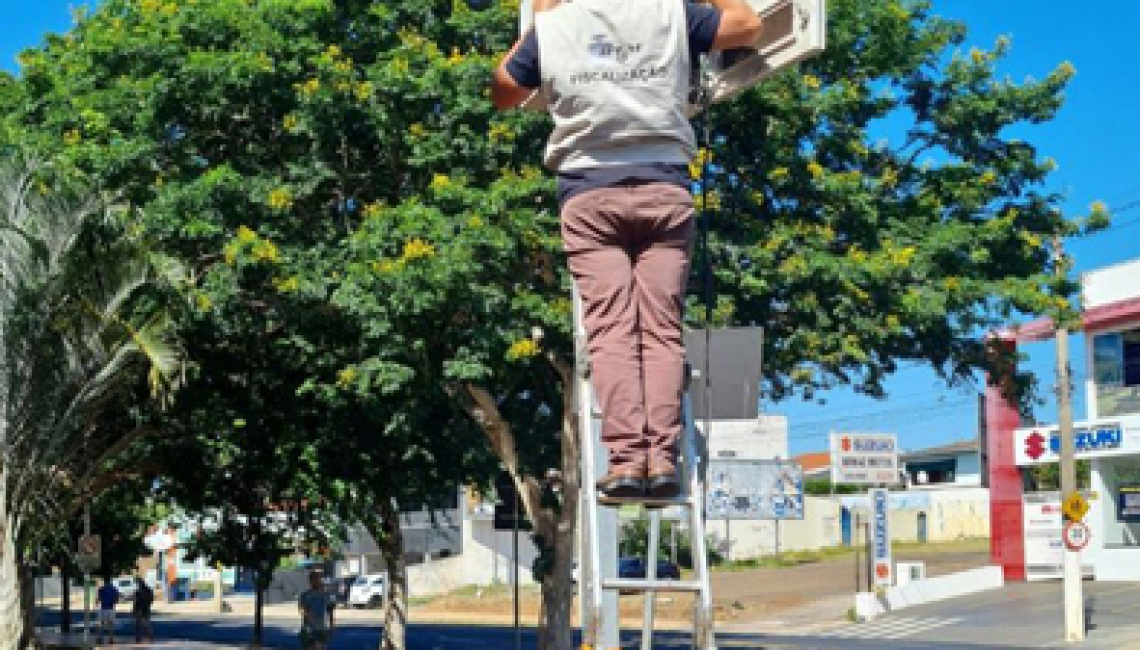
[[1116, 372]]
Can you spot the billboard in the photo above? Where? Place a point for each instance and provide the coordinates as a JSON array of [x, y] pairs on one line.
[[754, 489], [864, 458]]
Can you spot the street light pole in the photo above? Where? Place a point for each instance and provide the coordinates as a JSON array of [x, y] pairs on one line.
[[1071, 564]]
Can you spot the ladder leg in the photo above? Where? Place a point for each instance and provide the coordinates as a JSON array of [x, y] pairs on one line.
[[651, 574], [703, 635]]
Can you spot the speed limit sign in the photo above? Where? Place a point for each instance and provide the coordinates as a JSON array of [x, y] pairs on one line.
[[1076, 535]]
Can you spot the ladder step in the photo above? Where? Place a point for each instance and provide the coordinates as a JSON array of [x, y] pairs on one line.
[[649, 502], [638, 584]]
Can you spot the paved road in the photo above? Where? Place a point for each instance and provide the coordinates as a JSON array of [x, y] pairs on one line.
[[1016, 616]]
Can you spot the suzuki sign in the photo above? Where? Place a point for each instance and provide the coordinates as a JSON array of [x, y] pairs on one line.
[[864, 458], [1115, 437]]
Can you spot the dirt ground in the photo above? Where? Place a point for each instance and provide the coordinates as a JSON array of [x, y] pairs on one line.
[[739, 595]]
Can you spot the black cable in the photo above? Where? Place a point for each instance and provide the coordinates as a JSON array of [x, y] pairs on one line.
[[706, 261]]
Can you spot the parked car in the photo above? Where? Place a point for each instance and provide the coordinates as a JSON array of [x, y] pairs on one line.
[[634, 567], [368, 591], [126, 586]]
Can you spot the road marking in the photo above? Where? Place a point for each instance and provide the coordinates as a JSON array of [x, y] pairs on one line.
[[891, 628]]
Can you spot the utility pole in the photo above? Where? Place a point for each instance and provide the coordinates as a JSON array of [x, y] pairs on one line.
[[1071, 565]]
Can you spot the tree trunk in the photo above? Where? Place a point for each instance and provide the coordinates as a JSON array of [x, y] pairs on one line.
[[65, 593], [555, 629], [258, 590], [391, 544], [11, 609], [554, 528], [28, 599]]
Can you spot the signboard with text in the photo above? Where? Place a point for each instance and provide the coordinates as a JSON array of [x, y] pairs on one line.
[[754, 489], [1128, 503], [881, 538], [864, 458], [1099, 438]]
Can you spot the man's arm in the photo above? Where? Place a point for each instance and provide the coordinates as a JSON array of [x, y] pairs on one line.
[[506, 91], [739, 24]]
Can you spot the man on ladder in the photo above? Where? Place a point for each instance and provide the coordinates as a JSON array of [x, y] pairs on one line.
[[615, 75]]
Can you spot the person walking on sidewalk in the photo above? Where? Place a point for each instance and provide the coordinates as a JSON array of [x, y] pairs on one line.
[[316, 614], [615, 75], [108, 597], [141, 609]]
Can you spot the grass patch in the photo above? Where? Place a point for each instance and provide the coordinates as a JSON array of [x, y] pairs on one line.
[[796, 558]]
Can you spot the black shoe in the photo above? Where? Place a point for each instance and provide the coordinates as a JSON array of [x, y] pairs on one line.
[[663, 484], [622, 485]]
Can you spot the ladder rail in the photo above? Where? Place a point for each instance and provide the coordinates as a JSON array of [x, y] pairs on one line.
[[594, 585]]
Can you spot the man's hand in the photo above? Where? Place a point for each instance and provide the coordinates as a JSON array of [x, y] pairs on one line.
[[739, 25]]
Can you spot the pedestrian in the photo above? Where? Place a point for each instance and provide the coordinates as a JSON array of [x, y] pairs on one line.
[[108, 597], [140, 608], [615, 75], [316, 614]]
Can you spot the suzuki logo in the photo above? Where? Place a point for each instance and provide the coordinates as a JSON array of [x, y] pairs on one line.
[[1035, 445]]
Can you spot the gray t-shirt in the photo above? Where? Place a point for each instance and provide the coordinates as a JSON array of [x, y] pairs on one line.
[[315, 603]]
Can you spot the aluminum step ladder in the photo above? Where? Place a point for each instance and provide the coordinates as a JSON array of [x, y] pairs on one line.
[[597, 526]]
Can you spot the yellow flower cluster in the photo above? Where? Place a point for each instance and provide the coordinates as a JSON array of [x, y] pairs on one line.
[[456, 57], [697, 165], [988, 178], [815, 169], [287, 285], [952, 284], [265, 62], [475, 221], [203, 302], [373, 210], [246, 235], [72, 137], [345, 377], [385, 266], [290, 122], [411, 38], [280, 199], [244, 239], [779, 174], [417, 248], [812, 82], [1098, 208], [416, 130], [363, 91], [310, 87], [902, 256], [522, 349], [889, 177], [266, 251], [501, 132], [440, 182], [892, 321], [332, 51]]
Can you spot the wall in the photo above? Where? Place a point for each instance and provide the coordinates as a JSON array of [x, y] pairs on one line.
[[819, 528], [969, 469], [486, 556], [436, 577]]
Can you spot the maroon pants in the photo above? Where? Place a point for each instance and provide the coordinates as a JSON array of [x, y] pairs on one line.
[[628, 249]]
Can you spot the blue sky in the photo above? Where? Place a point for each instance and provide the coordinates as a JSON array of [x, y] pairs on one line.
[[1095, 139]]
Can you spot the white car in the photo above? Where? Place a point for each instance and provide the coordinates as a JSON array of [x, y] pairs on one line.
[[368, 591]]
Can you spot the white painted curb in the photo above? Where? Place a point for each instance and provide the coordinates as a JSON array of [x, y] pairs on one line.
[[870, 605]]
